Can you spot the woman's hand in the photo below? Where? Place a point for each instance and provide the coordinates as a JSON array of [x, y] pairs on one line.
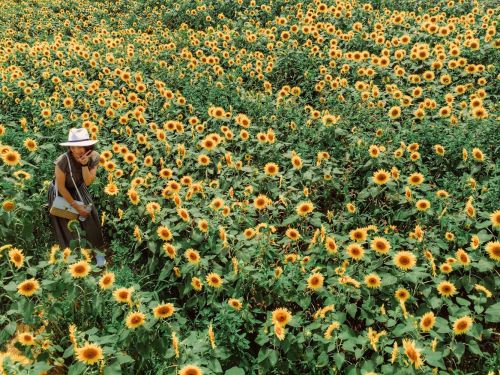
[[81, 210], [84, 159]]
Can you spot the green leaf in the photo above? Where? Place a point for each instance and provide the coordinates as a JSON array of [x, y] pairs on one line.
[[77, 369], [273, 357], [339, 359], [235, 371], [492, 313], [459, 350], [124, 358], [435, 359], [474, 348], [351, 309], [113, 369], [322, 360]]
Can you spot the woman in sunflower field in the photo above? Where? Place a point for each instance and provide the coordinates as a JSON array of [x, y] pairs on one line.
[[83, 161]]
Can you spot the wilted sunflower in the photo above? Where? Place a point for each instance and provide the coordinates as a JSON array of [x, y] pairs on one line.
[[135, 320], [214, 280], [281, 317], [164, 311], [462, 325], [89, 354], [412, 353]]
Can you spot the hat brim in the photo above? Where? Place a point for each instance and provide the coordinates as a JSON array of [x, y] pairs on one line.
[[80, 143]]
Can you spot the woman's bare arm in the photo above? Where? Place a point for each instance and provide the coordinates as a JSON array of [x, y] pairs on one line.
[[89, 174]]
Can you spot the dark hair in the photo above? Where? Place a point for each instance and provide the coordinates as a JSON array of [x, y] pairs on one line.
[[91, 147]]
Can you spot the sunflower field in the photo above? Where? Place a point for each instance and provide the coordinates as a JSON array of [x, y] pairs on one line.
[[285, 187]]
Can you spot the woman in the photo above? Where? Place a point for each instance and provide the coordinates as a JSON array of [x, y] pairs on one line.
[[84, 162]]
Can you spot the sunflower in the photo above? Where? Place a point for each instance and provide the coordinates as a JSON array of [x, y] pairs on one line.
[[427, 321], [11, 158], [351, 208], [462, 325], [304, 208], [203, 159], [445, 268], [214, 280], [394, 112], [164, 233], [446, 289], [190, 370], [280, 332], [381, 177], [249, 233], [26, 338], [135, 320], [405, 260], [380, 245], [462, 257], [373, 281], [169, 250], [416, 179], [477, 154], [89, 354], [493, 249], [111, 189], [30, 144], [296, 162], [355, 251], [439, 150], [281, 317], [412, 353], [203, 225], [164, 311], [123, 295], [107, 280], [79, 269], [271, 169], [196, 284], [330, 245], [292, 234], [216, 204], [495, 218], [235, 303], [422, 205], [28, 287], [16, 256], [358, 234], [261, 202], [315, 281], [402, 294], [192, 256]]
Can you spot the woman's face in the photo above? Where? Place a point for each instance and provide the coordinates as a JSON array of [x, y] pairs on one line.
[[77, 151]]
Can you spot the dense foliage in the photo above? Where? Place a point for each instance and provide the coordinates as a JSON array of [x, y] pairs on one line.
[[286, 187]]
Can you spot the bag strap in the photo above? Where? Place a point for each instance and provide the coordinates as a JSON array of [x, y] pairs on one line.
[[71, 173]]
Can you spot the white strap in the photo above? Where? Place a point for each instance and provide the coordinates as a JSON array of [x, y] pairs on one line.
[[71, 173]]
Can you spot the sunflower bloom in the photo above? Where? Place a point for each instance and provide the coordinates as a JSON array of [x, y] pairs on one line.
[[462, 325], [89, 354]]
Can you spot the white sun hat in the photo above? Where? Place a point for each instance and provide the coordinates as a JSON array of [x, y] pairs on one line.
[[78, 137]]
